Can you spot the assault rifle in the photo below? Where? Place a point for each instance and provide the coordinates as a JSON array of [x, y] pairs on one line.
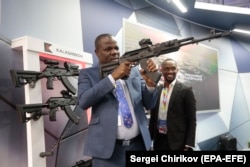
[[51, 72], [147, 50], [53, 103]]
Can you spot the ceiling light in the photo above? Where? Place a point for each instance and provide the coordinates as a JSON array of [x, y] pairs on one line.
[[221, 8], [241, 31], [179, 4]]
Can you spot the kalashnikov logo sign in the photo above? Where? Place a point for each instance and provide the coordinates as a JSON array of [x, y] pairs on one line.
[[56, 50]]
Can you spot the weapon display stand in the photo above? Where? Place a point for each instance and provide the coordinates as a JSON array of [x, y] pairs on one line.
[[32, 48]]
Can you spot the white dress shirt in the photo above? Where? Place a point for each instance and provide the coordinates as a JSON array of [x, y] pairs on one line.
[[122, 131]]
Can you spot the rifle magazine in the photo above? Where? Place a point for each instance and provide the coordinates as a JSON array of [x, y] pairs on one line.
[[71, 114], [66, 83]]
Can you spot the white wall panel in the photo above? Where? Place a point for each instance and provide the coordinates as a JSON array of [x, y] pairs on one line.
[[208, 126], [58, 21], [245, 80], [227, 84], [242, 135], [240, 113]]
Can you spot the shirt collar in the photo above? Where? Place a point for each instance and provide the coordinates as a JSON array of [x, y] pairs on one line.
[[171, 84]]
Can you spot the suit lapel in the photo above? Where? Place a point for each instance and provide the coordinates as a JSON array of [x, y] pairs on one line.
[[160, 87], [97, 77], [176, 88], [129, 86], [132, 84]]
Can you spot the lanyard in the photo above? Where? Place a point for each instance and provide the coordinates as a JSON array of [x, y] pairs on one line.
[[164, 98]]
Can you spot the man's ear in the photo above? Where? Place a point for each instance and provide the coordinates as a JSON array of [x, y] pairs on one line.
[[96, 53]]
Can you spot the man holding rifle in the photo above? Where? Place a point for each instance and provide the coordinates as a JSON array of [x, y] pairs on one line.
[[117, 125]]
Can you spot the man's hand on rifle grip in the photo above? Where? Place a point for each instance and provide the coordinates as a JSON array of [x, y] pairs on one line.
[[151, 67], [123, 70]]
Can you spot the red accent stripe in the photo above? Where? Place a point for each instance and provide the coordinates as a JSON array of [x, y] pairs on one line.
[[54, 57]]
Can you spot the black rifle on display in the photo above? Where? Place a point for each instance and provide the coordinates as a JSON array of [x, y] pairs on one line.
[[147, 50], [53, 104], [52, 71]]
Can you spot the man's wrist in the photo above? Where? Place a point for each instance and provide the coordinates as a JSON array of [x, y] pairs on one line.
[[112, 80]]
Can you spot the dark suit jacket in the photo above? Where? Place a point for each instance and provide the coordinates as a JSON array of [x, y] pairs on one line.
[[181, 117], [98, 93]]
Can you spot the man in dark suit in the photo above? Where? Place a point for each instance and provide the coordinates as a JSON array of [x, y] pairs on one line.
[[172, 122], [108, 138]]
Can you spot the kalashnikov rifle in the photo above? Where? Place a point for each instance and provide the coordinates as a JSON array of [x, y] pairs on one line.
[[147, 50], [51, 71], [53, 104]]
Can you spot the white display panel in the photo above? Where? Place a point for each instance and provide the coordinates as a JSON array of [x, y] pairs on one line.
[[34, 50]]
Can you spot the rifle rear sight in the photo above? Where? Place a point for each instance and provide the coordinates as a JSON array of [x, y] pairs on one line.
[[51, 62], [145, 42]]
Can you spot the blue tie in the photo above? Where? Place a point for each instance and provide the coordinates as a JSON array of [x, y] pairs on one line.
[[123, 106]]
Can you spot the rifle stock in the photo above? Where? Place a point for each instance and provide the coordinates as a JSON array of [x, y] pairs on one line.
[[148, 50], [20, 78], [35, 111]]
